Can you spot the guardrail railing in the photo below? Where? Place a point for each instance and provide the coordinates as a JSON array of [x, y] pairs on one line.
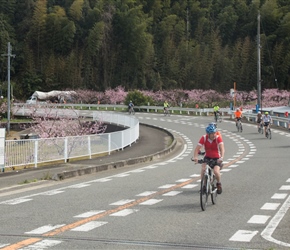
[[278, 120]]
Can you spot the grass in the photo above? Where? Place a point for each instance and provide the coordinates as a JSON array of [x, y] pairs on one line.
[[46, 176]]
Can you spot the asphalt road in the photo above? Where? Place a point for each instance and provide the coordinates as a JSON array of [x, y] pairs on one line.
[[155, 205]]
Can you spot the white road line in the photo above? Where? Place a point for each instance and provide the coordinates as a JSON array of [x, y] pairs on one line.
[[146, 193], [3, 245], [89, 226], [270, 206], [150, 167], [121, 202], [15, 201], [279, 196], [136, 171], [258, 219], [102, 180], [225, 170], [182, 180], [121, 175], [124, 212], [285, 187], [172, 193], [42, 245], [190, 186], [167, 186], [151, 202], [195, 175], [81, 185], [243, 235], [53, 192], [44, 229], [271, 227]]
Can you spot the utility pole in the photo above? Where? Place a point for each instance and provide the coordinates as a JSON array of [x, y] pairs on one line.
[[259, 63], [187, 27], [9, 55]]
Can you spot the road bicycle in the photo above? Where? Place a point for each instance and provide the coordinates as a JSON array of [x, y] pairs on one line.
[[208, 185], [166, 112], [131, 111], [261, 128], [218, 117], [268, 132], [239, 126]]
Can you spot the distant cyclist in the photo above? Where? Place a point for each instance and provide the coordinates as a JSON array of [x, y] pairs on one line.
[[216, 110], [166, 106], [131, 106], [214, 149], [238, 115], [259, 119], [267, 120]]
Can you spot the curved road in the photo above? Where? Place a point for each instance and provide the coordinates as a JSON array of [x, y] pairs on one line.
[[156, 205]]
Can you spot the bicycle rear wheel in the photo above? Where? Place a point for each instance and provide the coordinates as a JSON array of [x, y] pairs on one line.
[[239, 127], [204, 188]]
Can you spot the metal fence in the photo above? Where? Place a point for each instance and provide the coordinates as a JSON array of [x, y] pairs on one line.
[[29, 152]]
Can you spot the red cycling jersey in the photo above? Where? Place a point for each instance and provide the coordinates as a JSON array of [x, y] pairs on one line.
[[211, 147]]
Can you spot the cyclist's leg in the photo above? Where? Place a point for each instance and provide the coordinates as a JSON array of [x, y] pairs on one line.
[[216, 171], [203, 167], [265, 129]]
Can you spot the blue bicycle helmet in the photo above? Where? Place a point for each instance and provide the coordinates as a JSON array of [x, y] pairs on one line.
[[213, 124], [210, 129]]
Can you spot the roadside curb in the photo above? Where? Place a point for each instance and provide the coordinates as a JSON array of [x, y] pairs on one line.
[[115, 165]]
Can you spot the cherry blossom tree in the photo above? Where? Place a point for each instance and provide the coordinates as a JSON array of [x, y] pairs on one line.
[[53, 123]]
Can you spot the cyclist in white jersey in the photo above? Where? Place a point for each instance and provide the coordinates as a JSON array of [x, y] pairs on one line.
[[267, 120]]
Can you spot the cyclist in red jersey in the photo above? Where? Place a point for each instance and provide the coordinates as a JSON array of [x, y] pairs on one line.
[[214, 149]]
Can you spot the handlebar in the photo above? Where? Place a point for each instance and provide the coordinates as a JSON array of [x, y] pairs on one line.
[[200, 161], [209, 162]]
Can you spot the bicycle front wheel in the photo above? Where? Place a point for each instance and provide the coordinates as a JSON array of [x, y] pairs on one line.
[[269, 134], [204, 189]]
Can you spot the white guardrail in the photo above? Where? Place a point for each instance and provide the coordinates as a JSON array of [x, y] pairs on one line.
[[32, 152], [35, 151]]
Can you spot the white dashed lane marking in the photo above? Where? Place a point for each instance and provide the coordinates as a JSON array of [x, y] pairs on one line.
[[243, 236], [125, 212], [121, 202], [89, 226], [270, 206], [44, 229], [259, 219], [151, 202]]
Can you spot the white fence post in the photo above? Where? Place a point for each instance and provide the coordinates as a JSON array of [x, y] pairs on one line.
[[35, 153], [65, 149]]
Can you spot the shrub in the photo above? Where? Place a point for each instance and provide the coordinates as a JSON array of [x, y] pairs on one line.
[[138, 98]]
